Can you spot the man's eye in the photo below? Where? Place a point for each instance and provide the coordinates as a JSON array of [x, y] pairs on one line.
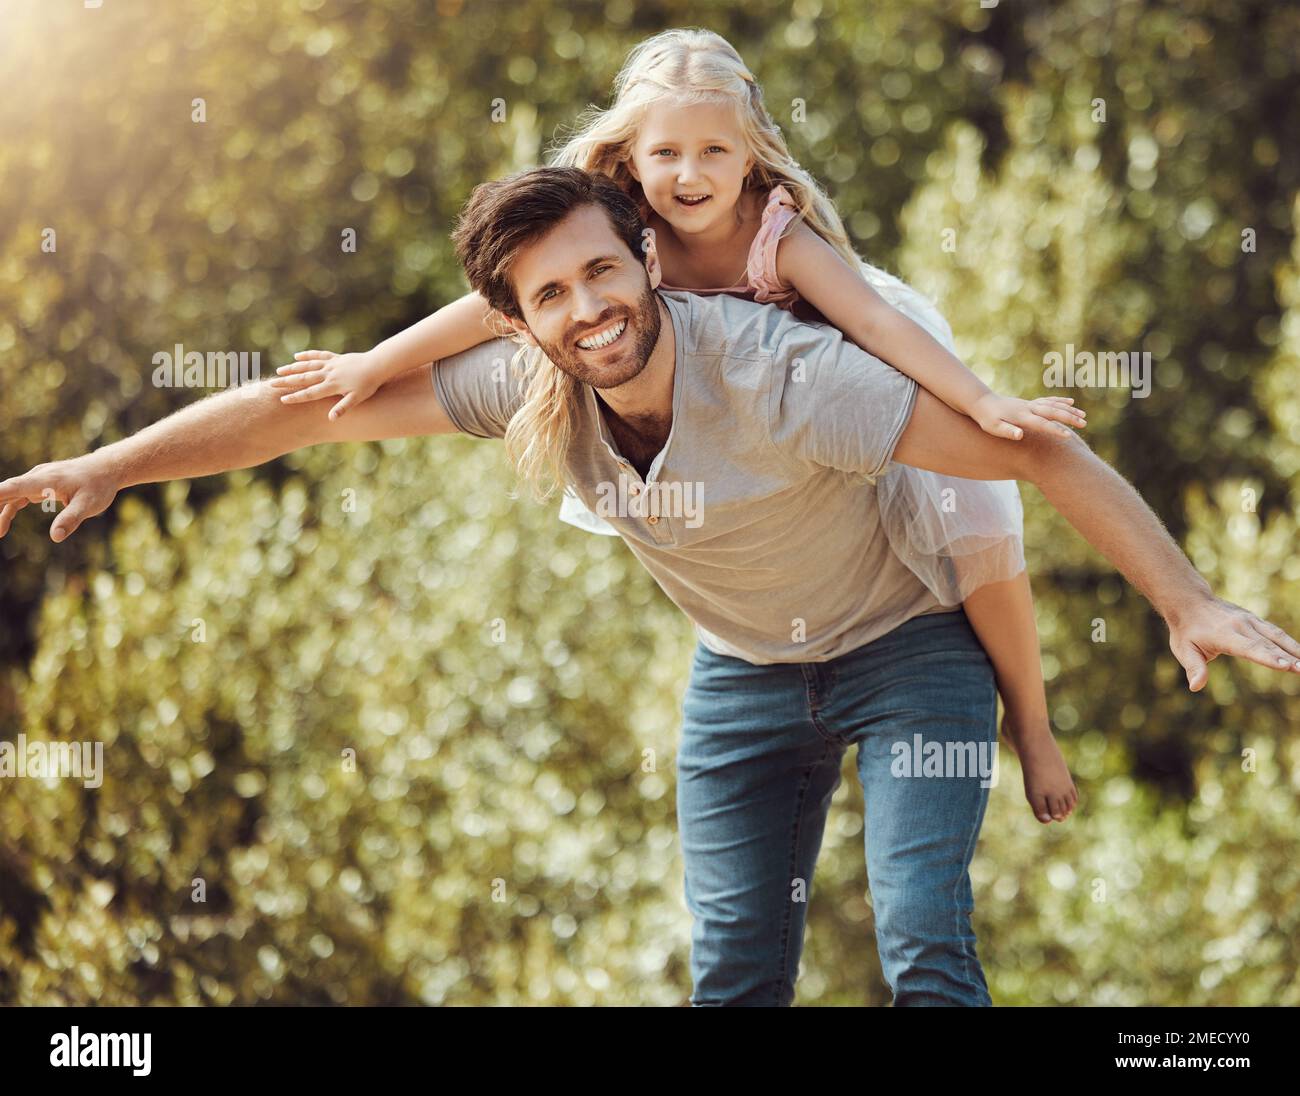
[[596, 270]]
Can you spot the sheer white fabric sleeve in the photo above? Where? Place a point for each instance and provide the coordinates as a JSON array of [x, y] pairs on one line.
[[954, 534], [575, 512]]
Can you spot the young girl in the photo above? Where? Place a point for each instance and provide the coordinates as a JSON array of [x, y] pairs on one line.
[[731, 212]]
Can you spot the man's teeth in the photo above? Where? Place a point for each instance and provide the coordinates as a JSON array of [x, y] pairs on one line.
[[604, 338]]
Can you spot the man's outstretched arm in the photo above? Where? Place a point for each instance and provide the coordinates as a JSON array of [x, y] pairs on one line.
[[1112, 517], [238, 428]]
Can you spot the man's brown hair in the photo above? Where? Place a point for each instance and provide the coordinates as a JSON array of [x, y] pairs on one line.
[[505, 215]]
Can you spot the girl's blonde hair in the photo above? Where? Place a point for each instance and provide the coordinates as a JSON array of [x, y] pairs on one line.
[[682, 67]]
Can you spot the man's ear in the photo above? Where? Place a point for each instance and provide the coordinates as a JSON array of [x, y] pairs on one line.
[[521, 328], [651, 256]]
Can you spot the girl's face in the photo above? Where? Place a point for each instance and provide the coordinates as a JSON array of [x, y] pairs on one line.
[[694, 152]]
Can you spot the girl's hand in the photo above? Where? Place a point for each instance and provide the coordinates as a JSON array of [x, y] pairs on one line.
[[316, 374], [1008, 417]]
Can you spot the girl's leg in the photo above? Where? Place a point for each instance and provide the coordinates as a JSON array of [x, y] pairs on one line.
[[1002, 615]]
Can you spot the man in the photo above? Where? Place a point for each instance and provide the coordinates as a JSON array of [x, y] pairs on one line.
[[814, 637]]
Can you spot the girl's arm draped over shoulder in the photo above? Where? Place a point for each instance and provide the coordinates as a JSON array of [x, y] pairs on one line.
[[457, 327], [821, 276]]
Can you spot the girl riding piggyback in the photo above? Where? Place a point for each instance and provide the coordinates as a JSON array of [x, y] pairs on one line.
[[730, 211]]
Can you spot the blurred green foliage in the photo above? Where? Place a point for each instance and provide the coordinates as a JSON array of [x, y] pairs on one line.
[[509, 687]]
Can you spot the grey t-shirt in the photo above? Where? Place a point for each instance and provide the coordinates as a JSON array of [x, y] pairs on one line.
[[759, 517]]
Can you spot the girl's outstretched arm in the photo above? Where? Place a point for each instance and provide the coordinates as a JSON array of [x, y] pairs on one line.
[[820, 276], [356, 377]]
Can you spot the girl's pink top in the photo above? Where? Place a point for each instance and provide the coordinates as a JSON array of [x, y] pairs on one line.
[[761, 283]]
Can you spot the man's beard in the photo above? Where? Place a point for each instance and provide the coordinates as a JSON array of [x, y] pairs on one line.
[[643, 331]]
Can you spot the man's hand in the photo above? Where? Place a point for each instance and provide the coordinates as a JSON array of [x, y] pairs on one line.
[[1213, 627], [239, 428], [1112, 517], [85, 485]]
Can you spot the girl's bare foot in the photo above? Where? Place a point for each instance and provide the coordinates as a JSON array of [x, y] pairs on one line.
[[1048, 785]]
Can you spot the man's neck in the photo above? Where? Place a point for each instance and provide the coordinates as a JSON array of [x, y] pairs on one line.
[[647, 399], [639, 414]]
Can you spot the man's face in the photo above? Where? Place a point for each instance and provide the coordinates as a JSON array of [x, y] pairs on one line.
[[579, 285]]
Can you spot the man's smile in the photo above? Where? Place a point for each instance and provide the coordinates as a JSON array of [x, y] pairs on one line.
[[606, 336]]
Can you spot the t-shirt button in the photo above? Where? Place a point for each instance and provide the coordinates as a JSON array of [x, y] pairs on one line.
[[652, 520]]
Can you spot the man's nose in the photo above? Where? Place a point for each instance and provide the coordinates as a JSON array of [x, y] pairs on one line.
[[588, 305]]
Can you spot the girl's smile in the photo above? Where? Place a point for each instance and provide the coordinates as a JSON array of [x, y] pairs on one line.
[[690, 158]]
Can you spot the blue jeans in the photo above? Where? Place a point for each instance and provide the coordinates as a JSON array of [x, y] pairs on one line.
[[760, 757]]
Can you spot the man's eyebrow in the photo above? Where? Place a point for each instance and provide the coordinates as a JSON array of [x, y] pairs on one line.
[[555, 283]]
